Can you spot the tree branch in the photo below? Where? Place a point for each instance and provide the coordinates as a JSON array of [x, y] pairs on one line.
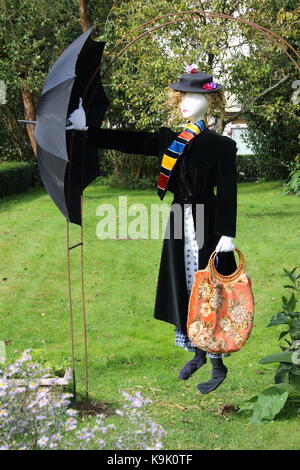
[[29, 112], [83, 11], [264, 93]]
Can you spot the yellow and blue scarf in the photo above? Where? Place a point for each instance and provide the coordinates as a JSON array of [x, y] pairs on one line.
[[174, 150]]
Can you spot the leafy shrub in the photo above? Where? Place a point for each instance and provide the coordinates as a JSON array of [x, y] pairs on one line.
[[105, 163], [252, 168], [292, 186], [15, 177], [35, 417], [286, 389], [126, 181], [247, 168], [57, 367]]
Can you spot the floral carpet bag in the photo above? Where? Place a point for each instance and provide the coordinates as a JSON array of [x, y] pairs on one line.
[[221, 308]]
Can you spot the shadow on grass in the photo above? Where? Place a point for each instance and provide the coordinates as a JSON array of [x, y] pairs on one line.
[[262, 187], [270, 214], [19, 198], [101, 196], [290, 410]]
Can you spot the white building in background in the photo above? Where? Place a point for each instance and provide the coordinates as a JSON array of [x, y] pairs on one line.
[[237, 128]]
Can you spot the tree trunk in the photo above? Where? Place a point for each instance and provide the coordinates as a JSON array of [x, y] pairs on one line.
[[29, 112], [83, 11]]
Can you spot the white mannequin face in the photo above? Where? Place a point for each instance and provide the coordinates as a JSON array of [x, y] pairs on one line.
[[194, 106]]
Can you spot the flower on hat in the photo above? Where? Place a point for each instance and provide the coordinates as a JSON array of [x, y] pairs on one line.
[[209, 86], [192, 68]]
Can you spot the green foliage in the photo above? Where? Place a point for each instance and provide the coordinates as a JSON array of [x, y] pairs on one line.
[[31, 38], [57, 368], [253, 168], [32, 35], [135, 171], [292, 186], [126, 181], [274, 147], [273, 119], [139, 172], [270, 402], [15, 177], [138, 81]]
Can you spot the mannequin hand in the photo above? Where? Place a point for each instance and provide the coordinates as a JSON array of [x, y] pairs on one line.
[[78, 119], [225, 244]]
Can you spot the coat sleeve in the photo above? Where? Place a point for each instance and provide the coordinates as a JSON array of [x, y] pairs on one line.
[[136, 142], [226, 201]]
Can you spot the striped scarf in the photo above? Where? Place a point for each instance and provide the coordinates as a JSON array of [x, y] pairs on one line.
[[174, 150]]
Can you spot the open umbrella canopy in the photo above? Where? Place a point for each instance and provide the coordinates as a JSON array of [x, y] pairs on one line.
[[66, 162]]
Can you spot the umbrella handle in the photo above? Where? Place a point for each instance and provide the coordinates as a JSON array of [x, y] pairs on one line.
[[27, 122]]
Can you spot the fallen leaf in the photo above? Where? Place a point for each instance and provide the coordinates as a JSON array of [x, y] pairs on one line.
[[225, 409]]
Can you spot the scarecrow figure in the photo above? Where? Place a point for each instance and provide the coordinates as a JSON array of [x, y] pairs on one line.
[[193, 163]]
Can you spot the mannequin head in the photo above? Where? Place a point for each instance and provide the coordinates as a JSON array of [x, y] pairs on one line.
[[194, 106], [198, 105]]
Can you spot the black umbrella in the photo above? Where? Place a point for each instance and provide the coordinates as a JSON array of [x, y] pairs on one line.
[[66, 162]]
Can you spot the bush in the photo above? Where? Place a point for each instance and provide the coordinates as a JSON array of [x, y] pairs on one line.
[[292, 186], [247, 168], [126, 181], [252, 168], [286, 388], [15, 177]]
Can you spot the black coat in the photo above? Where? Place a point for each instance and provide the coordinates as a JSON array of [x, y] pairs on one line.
[[208, 161]]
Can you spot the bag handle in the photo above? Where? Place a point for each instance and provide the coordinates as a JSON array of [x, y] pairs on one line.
[[231, 277]]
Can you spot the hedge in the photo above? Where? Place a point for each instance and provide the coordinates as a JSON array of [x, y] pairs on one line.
[[251, 168], [15, 177]]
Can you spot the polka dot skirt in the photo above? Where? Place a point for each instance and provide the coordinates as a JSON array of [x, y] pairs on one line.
[[191, 266]]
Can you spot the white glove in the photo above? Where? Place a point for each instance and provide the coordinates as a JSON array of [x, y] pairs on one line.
[[78, 119], [225, 244]]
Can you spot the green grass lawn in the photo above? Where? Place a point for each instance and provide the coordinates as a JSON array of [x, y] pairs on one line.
[[128, 349]]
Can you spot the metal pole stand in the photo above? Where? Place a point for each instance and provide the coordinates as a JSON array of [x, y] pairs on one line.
[[69, 248]]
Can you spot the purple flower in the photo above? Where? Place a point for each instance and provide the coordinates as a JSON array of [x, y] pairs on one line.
[[192, 68], [209, 86]]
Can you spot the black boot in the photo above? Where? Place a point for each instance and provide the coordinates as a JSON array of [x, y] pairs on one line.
[[219, 373], [194, 364]]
